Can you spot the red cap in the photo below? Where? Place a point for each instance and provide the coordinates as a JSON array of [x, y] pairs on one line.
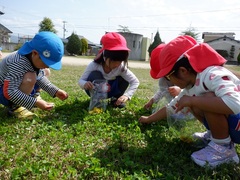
[[200, 56], [155, 60], [114, 41], [172, 51]]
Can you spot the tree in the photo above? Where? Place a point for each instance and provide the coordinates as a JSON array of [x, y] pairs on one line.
[[74, 44], [238, 58], [232, 51], [191, 31], [123, 29], [47, 25], [156, 42], [84, 46]]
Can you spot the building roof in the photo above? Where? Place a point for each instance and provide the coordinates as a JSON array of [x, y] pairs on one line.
[[223, 38], [5, 29], [219, 34]]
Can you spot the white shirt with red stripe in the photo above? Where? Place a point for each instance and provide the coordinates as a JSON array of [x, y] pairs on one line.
[[215, 79]]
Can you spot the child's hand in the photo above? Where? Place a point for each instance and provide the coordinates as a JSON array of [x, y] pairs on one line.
[[174, 90], [184, 101], [88, 85], [121, 99], [44, 105], [61, 94], [144, 120], [149, 104]]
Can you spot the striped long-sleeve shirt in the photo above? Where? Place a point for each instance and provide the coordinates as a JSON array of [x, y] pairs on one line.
[[12, 70]]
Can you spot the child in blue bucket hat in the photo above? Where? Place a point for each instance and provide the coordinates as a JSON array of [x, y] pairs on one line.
[[22, 70]]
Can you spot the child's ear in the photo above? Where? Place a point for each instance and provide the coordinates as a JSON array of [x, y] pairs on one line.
[[34, 52], [183, 70]]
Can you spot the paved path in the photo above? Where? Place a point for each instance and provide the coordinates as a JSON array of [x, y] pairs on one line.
[[78, 61]]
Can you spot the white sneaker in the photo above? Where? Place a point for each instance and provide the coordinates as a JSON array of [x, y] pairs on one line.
[[214, 155], [204, 136]]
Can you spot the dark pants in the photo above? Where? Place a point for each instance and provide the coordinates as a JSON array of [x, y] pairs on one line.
[[117, 86]]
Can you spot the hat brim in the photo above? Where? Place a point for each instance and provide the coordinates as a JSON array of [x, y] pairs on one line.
[[51, 64], [153, 74], [164, 72], [120, 48]]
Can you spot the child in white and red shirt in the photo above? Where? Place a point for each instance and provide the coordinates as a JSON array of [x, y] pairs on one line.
[[211, 93]]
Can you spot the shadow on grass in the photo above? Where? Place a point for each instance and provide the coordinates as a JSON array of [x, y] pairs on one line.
[[69, 112], [156, 159], [158, 156]]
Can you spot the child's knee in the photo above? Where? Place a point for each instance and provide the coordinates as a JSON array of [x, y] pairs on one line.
[[47, 72], [29, 79]]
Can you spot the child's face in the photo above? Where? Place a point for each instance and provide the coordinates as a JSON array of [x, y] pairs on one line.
[[182, 78], [36, 60], [113, 64]]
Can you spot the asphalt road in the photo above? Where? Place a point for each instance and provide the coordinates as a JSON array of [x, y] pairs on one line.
[[78, 61]]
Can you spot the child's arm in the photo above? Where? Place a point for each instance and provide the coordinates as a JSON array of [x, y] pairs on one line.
[[159, 115], [149, 104]]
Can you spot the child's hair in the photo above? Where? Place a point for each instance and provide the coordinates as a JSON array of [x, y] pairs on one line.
[[113, 55], [183, 62]]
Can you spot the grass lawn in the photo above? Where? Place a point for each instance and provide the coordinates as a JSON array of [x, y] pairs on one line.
[[70, 143]]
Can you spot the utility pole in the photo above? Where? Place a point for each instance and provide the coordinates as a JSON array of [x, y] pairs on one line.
[[64, 29]]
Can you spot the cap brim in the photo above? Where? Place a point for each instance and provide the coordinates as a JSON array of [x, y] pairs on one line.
[[164, 72], [118, 48], [153, 74], [51, 64]]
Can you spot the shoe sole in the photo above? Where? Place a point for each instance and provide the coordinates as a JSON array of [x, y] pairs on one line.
[[234, 159]]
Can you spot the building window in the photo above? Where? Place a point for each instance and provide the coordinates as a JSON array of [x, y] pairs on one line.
[[134, 44]]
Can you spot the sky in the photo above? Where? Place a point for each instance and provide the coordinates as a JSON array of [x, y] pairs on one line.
[[92, 18]]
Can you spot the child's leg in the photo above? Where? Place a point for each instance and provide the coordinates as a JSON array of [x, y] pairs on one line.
[[47, 72], [95, 75], [220, 149], [29, 80], [216, 123], [26, 87], [118, 87]]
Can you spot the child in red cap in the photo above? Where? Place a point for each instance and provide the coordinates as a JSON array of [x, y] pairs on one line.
[[23, 69], [166, 88], [110, 64], [211, 93]]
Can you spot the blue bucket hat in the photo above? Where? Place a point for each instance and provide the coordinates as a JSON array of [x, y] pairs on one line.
[[48, 45]]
